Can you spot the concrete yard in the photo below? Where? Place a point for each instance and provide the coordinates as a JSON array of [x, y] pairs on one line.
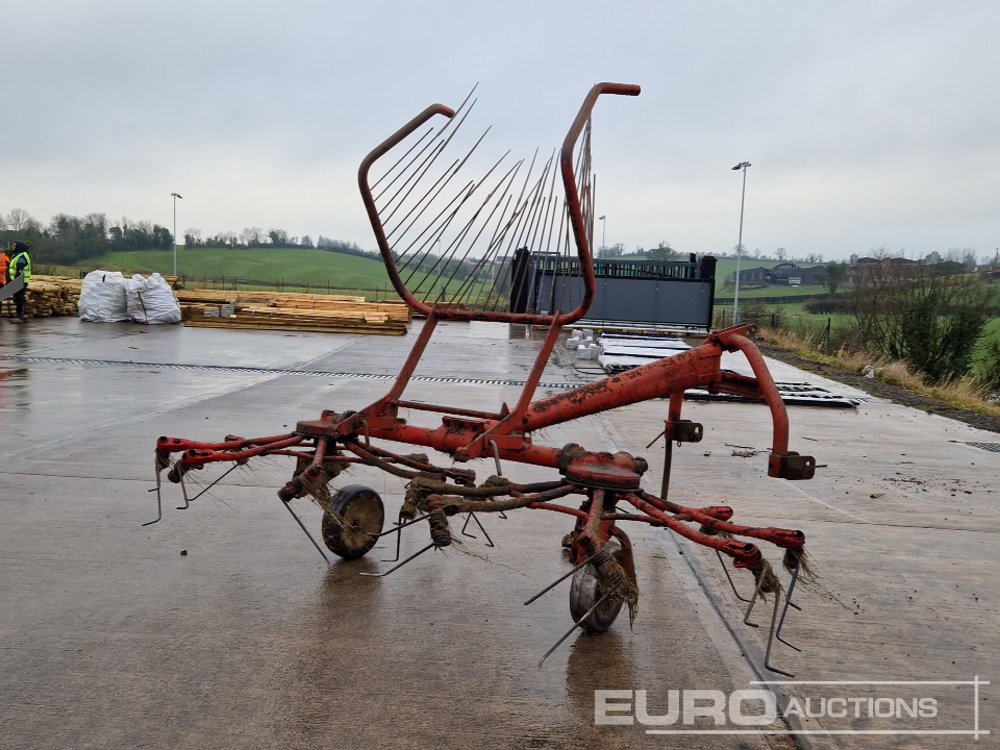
[[221, 627]]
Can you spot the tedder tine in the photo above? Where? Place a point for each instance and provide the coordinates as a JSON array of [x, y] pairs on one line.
[[577, 624]]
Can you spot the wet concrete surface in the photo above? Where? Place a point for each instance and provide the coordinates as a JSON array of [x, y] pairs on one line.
[[111, 637]]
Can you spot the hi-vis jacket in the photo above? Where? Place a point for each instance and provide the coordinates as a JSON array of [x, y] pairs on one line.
[[18, 264]]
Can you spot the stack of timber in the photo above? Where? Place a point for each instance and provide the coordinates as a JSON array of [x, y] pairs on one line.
[[51, 296], [204, 308]]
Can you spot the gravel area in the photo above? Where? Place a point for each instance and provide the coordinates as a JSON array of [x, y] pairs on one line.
[[884, 390]]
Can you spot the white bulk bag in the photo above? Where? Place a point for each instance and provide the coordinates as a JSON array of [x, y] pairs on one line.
[[102, 298], [151, 300]]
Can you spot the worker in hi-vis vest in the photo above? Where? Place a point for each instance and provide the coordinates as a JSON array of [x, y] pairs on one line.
[[20, 265]]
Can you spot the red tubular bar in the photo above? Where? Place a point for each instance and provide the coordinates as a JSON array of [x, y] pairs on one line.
[[467, 438], [698, 367], [717, 518], [572, 199], [575, 512], [366, 195], [176, 445], [196, 457], [745, 553], [779, 415]]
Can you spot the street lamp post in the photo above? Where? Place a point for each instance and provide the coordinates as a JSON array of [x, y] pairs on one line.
[[604, 228], [175, 196], [739, 245]]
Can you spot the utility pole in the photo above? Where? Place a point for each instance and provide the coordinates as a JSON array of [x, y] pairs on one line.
[[175, 196], [739, 246]]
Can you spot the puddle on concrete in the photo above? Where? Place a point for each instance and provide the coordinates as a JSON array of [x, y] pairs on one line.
[[13, 388]]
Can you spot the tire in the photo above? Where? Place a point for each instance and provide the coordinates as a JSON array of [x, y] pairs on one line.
[[584, 592], [353, 527]]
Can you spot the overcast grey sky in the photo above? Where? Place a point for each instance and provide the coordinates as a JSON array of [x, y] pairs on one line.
[[868, 124]]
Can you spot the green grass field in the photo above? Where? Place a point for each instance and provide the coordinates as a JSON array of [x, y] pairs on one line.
[[294, 269], [289, 266], [321, 270]]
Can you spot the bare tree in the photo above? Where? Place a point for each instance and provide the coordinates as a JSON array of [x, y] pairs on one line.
[[19, 220]]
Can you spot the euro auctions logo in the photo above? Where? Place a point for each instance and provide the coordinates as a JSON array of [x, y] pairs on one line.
[[788, 707], [740, 708]]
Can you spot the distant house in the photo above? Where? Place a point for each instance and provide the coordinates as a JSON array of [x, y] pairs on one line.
[[859, 264], [895, 261], [754, 276], [792, 274], [784, 274]]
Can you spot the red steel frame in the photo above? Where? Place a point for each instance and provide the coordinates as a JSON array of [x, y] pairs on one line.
[[336, 440]]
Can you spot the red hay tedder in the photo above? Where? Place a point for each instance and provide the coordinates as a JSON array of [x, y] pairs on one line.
[[496, 214]]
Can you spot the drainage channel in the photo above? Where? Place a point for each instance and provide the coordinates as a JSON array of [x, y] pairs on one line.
[[991, 447], [275, 371], [793, 394]]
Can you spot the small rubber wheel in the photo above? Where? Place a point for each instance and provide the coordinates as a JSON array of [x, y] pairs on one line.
[[584, 592], [353, 527]]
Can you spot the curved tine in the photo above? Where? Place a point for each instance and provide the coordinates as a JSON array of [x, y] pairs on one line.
[[302, 526], [753, 600], [732, 584], [788, 602], [159, 502], [397, 567], [399, 540], [207, 488], [465, 525], [184, 493], [559, 580], [489, 539], [577, 624], [187, 500], [770, 640], [400, 526]]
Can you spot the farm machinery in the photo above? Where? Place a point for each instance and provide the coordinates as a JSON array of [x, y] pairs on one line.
[[418, 203]]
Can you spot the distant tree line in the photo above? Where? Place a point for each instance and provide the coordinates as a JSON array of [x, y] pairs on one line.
[[69, 239]]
